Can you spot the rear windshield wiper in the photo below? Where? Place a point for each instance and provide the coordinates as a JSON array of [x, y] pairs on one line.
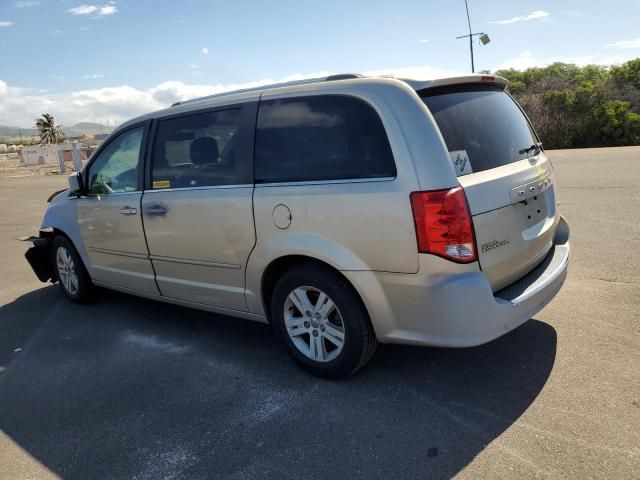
[[536, 148]]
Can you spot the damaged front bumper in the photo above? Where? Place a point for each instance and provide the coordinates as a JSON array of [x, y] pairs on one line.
[[39, 256]]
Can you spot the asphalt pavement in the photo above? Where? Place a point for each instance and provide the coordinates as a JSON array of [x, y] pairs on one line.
[[131, 388]]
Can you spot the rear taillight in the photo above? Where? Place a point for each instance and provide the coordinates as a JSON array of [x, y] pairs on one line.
[[443, 224]]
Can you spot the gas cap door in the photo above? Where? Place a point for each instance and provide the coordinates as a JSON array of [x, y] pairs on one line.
[[282, 216]]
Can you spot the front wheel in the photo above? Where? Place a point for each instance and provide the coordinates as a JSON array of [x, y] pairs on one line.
[[70, 271], [322, 321]]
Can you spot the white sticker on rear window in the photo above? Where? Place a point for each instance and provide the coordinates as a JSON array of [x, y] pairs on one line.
[[460, 161]]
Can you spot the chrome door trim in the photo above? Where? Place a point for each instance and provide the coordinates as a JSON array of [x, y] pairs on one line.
[[160, 258], [326, 182], [98, 195], [207, 187], [189, 261], [106, 251]]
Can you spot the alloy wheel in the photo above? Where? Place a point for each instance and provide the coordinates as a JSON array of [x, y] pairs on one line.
[[314, 324], [67, 270]]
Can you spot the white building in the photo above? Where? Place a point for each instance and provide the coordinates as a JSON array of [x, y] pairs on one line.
[[48, 154]]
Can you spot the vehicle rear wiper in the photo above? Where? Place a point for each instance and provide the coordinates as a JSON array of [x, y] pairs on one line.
[[536, 147]]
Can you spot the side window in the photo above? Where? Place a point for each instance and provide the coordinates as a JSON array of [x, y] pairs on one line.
[[323, 137], [116, 168], [199, 150]]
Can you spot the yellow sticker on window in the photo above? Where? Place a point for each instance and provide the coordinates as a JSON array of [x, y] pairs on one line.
[[161, 184]]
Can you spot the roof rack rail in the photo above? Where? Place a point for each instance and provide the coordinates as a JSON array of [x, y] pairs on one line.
[[252, 89], [341, 76]]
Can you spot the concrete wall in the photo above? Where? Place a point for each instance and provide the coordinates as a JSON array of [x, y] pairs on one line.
[[47, 154]]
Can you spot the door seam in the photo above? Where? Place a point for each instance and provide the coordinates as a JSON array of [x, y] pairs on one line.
[[253, 210]]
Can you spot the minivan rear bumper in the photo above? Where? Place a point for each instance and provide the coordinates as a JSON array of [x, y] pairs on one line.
[[459, 309]]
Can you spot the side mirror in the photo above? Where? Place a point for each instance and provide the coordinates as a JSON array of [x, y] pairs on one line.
[[75, 184]]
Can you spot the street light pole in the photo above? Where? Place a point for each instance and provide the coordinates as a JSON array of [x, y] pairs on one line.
[[484, 38], [473, 68]]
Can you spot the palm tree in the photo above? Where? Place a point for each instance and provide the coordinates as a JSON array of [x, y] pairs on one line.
[[49, 131]]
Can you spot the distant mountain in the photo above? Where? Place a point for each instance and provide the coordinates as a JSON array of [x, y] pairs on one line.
[[6, 131], [78, 130], [86, 128]]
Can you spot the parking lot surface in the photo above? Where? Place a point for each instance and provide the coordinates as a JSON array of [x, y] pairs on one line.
[[130, 388]]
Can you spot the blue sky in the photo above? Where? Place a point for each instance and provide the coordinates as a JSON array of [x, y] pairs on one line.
[[111, 60]]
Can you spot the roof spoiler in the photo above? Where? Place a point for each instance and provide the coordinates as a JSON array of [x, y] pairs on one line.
[[496, 80]]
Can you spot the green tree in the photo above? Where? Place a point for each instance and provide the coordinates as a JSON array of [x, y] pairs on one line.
[[49, 131], [627, 74], [572, 106]]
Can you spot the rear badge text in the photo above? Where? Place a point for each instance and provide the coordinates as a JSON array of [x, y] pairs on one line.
[[487, 247]]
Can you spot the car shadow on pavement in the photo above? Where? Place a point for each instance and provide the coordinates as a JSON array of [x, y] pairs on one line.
[[131, 388]]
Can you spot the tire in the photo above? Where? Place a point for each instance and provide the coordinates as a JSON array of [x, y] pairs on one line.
[[312, 336], [69, 271]]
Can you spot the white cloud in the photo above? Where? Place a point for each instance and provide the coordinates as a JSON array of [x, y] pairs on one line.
[[83, 10], [521, 62], [27, 3], [537, 15], [527, 60], [204, 50], [20, 106], [193, 66], [423, 41], [635, 43], [99, 10], [107, 10], [5, 24], [93, 76]]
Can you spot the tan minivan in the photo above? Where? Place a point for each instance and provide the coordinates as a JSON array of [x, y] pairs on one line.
[[345, 211]]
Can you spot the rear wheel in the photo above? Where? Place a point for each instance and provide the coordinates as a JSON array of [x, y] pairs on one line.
[[70, 271], [322, 321]]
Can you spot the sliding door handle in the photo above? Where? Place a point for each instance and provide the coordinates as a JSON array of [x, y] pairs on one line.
[[156, 209]]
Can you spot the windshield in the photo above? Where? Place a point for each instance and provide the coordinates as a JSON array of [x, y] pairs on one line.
[[482, 126]]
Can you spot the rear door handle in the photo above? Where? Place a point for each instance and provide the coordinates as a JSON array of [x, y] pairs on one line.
[[156, 209], [128, 211]]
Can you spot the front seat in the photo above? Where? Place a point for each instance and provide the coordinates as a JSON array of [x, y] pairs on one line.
[[203, 151]]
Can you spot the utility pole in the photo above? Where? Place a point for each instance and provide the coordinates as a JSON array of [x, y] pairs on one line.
[[484, 38], [473, 67]]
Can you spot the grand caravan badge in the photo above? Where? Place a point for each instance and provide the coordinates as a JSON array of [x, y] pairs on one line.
[[492, 245]]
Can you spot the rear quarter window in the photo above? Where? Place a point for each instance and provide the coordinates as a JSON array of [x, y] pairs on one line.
[[482, 122], [324, 137]]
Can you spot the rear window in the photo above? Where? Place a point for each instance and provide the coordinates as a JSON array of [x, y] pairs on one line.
[[323, 137], [483, 127]]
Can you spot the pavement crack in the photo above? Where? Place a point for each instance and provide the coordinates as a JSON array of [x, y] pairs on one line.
[[611, 280]]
